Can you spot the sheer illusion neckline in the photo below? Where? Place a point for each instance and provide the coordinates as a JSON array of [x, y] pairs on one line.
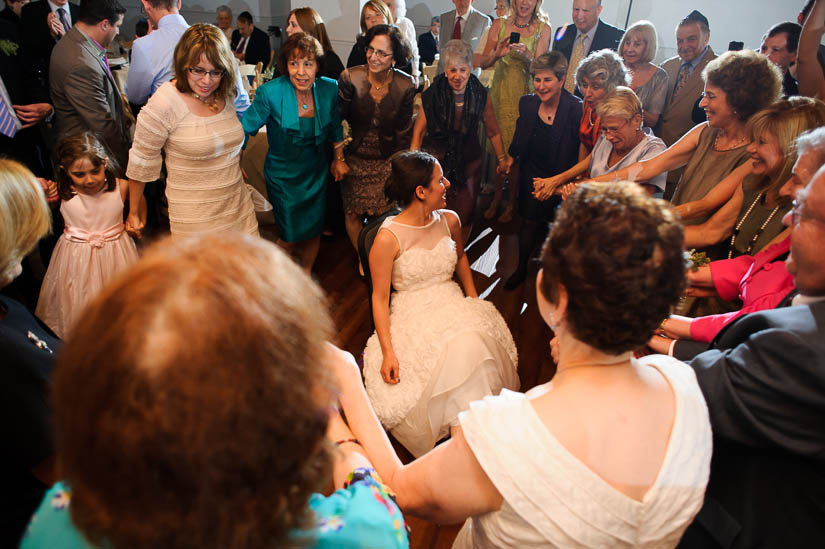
[[428, 224]]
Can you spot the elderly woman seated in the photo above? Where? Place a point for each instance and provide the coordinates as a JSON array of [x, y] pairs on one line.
[[174, 432], [597, 76], [614, 451], [623, 141], [447, 128]]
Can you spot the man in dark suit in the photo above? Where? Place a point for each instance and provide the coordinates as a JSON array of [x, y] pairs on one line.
[[589, 34], [42, 25], [764, 383], [250, 44], [779, 44], [428, 42]]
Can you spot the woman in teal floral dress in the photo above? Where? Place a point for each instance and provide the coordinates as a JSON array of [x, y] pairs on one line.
[[205, 418]]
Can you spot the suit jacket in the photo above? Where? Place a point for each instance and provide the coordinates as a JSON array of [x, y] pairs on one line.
[[606, 37], [568, 116], [473, 29], [764, 383], [677, 118], [395, 110], [37, 43], [258, 48], [85, 95], [427, 47]]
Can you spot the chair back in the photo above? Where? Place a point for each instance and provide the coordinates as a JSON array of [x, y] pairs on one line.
[[365, 240]]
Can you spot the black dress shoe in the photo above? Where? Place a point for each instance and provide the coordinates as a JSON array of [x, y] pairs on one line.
[[516, 279]]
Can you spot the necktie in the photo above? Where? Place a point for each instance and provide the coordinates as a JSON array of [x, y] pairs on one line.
[[457, 29], [241, 45], [575, 58], [684, 74], [64, 18], [8, 125]]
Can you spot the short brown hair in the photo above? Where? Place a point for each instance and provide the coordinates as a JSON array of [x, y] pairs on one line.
[[24, 215], [209, 41], [553, 61], [300, 46], [186, 402], [618, 253], [750, 81]]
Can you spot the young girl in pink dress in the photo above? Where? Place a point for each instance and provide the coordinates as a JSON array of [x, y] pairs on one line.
[[93, 247]]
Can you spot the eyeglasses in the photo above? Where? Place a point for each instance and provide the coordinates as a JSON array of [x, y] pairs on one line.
[[198, 72], [379, 53], [797, 215], [608, 131]]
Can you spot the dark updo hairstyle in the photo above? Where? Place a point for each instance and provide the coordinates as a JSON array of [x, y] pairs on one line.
[[301, 46], [618, 253], [410, 170], [750, 80], [83, 145], [401, 51]]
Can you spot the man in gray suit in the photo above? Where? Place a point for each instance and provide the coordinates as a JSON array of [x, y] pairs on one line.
[[463, 23], [685, 84], [83, 90]]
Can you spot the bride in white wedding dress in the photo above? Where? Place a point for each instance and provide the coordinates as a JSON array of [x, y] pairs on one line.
[[434, 350]]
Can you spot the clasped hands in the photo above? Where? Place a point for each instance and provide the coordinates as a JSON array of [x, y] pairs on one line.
[[545, 187]]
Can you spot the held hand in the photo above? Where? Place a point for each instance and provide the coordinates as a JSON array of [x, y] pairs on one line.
[[134, 225], [339, 170], [33, 113], [567, 190], [390, 369], [543, 188], [50, 189], [505, 165]]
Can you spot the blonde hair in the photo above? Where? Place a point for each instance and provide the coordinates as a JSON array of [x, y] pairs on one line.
[[24, 215], [646, 32], [786, 120], [622, 102], [209, 41], [537, 12]]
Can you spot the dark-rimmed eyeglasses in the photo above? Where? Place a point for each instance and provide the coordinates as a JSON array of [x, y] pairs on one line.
[[198, 72]]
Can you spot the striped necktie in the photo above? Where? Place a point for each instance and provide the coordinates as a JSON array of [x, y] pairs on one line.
[[8, 124]]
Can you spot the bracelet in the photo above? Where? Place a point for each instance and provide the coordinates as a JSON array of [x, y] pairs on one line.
[[340, 159], [353, 440], [501, 157]]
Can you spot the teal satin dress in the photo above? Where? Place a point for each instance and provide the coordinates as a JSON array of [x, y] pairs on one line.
[[298, 160]]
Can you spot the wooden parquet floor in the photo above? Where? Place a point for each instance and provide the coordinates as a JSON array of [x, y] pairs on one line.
[[492, 252]]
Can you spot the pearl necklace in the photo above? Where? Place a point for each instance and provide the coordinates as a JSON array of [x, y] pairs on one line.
[[756, 236]]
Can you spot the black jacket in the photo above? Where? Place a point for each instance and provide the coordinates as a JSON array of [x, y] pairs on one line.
[[257, 50]]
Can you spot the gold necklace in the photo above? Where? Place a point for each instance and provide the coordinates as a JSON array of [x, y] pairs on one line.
[[730, 147], [376, 86], [213, 104]]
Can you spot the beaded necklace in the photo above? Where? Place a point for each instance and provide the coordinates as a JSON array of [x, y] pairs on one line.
[[752, 243]]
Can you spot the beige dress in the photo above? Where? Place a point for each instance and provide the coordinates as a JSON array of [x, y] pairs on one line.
[[705, 169], [204, 186], [551, 499]]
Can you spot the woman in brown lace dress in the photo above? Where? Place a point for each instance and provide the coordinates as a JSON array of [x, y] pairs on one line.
[[377, 101]]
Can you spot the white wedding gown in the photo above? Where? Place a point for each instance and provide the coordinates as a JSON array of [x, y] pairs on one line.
[[451, 349]]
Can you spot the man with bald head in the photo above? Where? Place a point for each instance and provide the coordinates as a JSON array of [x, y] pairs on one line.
[[764, 384], [587, 34]]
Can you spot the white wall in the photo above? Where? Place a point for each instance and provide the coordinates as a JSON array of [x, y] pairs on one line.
[[743, 20]]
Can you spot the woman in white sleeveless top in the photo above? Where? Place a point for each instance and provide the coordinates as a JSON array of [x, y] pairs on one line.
[[614, 451]]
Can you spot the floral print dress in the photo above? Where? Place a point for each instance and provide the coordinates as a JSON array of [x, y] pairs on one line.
[[361, 514]]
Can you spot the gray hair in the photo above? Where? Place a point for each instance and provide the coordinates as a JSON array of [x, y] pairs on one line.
[[224, 9], [605, 67], [457, 52], [812, 141]]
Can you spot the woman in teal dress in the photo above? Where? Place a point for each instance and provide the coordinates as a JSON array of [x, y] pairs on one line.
[[207, 418], [301, 116]]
